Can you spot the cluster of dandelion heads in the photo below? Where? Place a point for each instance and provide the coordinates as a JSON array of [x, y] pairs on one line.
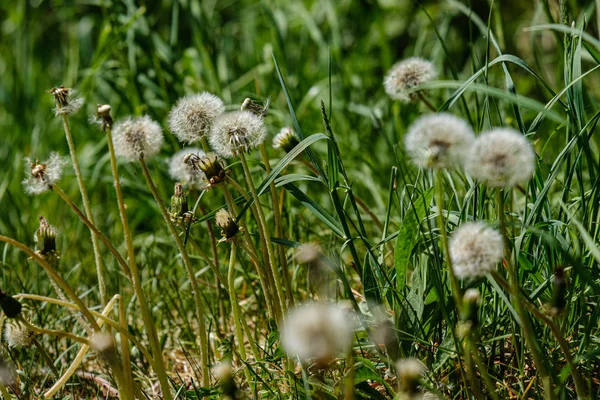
[[317, 332], [191, 118], [406, 75], [67, 101], [475, 249], [286, 139], [137, 137], [236, 132], [501, 157], [43, 175], [184, 172], [439, 141]]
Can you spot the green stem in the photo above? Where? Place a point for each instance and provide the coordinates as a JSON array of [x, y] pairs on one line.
[[187, 262], [92, 227], [57, 278], [211, 264], [516, 301], [46, 357], [278, 228], [161, 370], [491, 387], [87, 208], [265, 235], [50, 332]]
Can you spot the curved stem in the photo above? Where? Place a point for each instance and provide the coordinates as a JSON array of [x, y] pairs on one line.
[[516, 301], [51, 332], [187, 262], [57, 278], [87, 207], [92, 227]]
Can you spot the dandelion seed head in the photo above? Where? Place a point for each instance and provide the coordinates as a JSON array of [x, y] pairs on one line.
[[43, 175], [317, 331], [137, 137], [191, 118], [235, 132], [66, 99], [438, 141], [501, 157], [184, 172], [286, 139], [475, 249], [17, 335], [406, 75]]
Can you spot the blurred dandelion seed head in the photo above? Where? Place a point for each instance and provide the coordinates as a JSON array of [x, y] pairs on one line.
[[501, 157], [43, 175], [475, 249], [66, 99], [407, 74], [184, 172], [438, 141], [286, 139], [191, 118], [137, 137]]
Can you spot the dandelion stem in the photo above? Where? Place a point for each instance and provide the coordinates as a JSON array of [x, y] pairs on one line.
[[491, 387], [45, 356], [515, 294], [265, 235], [54, 275], [190, 272], [50, 332], [87, 208], [92, 227], [426, 102]]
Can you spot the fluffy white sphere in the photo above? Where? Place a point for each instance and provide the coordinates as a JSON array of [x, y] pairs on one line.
[[137, 137], [235, 132], [406, 75], [43, 175], [475, 249], [191, 118]]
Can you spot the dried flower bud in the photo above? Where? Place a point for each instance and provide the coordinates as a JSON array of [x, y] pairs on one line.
[[236, 132], [43, 175], [180, 213], [255, 108], [286, 139], [11, 306], [410, 371], [17, 335], [210, 165], [470, 306], [45, 241], [66, 100], [224, 220], [103, 116]]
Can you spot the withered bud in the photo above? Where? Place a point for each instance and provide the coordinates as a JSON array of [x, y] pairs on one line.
[[224, 220], [103, 114], [256, 108], [45, 241], [210, 165], [179, 206]]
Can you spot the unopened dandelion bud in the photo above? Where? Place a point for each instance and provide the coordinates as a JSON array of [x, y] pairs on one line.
[[104, 345], [209, 165], [224, 220], [179, 205], [137, 137], [475, 250], [66, 100], [501, 157], [439, 140], [45, 241], [11, 306], [286, 139], [256, 108], [559, 291], [192, 117], [406, 75], [103, 116], [470, 306], [17, 335], [43, 175], [186, 172], [237, 132], [410, 372]]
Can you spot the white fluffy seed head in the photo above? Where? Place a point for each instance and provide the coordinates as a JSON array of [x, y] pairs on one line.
[[501, 157], [191, 118], [184, 172], [137, 137], [407, 74], [43, 175], [235, 132], [475, 249], [439, 141], [317, 332], [17, 335]]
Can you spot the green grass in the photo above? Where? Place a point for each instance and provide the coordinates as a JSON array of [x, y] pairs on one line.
[[351, 189]]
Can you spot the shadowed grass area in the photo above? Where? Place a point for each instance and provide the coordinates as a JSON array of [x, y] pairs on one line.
[[348, 187]]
